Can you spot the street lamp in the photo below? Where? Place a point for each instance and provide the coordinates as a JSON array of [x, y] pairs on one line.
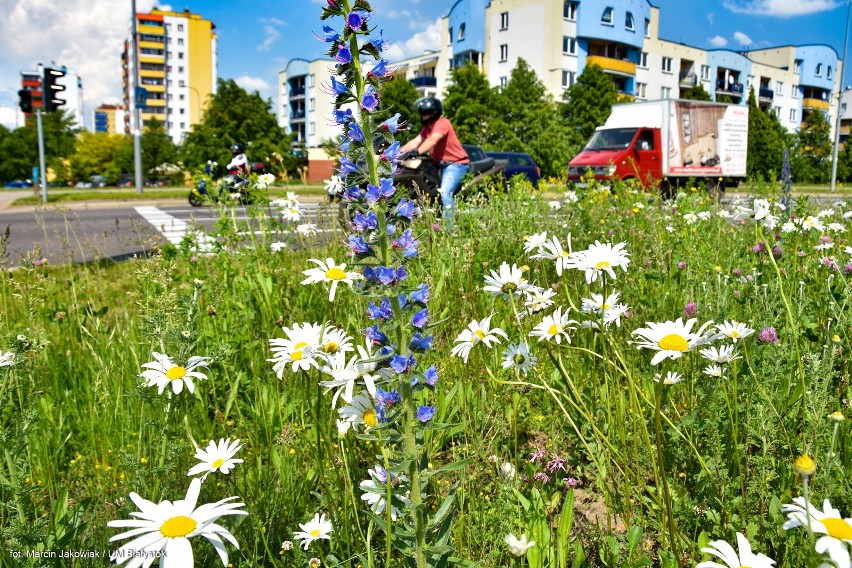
[[839, 95]]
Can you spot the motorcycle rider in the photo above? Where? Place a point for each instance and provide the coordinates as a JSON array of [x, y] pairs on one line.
[[239, 161], [438, 137]]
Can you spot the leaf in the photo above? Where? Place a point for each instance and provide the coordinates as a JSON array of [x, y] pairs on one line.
[[563, 532], [525, 503]]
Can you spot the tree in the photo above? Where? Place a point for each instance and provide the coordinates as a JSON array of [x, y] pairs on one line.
[[398, 96], [766, 142], [528, 120], [157, 148], [19, 147], [588, 102], [810, 160], [99, 153], [468, 103], [696, 93], [233, 115]]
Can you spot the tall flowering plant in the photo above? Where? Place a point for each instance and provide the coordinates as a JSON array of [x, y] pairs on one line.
[[394, 406]]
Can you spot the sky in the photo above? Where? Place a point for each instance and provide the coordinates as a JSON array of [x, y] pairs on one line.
[[256, 38]]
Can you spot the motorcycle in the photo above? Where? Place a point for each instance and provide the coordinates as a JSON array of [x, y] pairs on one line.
[[232, 186], [421, 175]]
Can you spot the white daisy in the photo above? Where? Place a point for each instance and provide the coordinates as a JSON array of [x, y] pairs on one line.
[[571, 196], [671, 339], [554, 205], [518, 357], [734, 559], [812, 223], [477, 332], [163, 530], [611, 309], [552, 250], [534, 242], [334, 340], [829, 521], [163, 371], [690, 218], [600, 258], [315, 529], [277, 246], [334, 185], [518, 546], [722, 355], [554, 327], [307, 229], [218, 455], [836, 227], [299, 348], [671, 378], [537, 299], [292, 213], [263, 180], [7, 359], [328, 271], [359, 411], [734, 330], [509, 282], [375, 491], [713, 371], [343, 375]]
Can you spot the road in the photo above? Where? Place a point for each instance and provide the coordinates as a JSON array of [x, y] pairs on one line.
[[120, 231]]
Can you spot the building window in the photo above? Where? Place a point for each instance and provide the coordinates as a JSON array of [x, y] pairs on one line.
[[451, 36], [606, 17], [503, 82], [461, 32], [828, 73], [667, 64], [312, 104], [779, 89], [504, 20], [705, 72], [180, 55], [643, 59], [180, 98], [665, 92], [641, 90], [182, 110], [504, 52], [180, 41], [794, 91], [792, 115], [181, 83], [569, 11], [647, 28], [183, 125], [569, 45], [777, 111], [818, 70], [797, 66], [180, 69], [313, 128], [567, 79], [628, 21]]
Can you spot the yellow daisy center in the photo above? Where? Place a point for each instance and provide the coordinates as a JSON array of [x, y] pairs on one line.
[[554, 329], [478, 335], [297, 351], [735, 334], [178, 526], [838, 528], [605, 306], [175, 373], [602, 264], [335, 273], [315, 533], [370, 418], [330, 347], [217, 464], [674, 342]]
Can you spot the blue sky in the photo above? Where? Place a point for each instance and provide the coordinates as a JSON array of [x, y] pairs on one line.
[[258, 37]]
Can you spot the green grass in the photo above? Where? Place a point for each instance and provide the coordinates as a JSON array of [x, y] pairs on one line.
[[80, 430]]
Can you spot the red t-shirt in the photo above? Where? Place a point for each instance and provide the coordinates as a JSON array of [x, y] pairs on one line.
[[448, 148]]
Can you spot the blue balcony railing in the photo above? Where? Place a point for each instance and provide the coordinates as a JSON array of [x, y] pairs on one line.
[[424, 81], [726, 87], [765, 93]]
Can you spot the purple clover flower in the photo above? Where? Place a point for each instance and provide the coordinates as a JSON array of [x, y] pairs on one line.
[[690, 309], [768, 335]]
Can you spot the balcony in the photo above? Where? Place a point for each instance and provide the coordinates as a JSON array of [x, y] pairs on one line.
[[614, 66], [734, 89], [297, 92], [765, 95], [811, 104], [297, 116], [688, 80], [425, 81]]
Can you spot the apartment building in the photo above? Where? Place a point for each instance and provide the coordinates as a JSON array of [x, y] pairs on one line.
[[108, 119], [176, 70]]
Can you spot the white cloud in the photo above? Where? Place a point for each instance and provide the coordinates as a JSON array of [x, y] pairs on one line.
[[428, 39], [718, 41], [270, 36], [780, 8], [742, 38], [8, 117], [711, 17], [87, 36], [253, 84]]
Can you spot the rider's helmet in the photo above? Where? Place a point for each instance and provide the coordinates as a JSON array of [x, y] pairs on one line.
[[429, 108], [237, 149]]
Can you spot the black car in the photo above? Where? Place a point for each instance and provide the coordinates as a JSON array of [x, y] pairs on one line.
[[518, 164]]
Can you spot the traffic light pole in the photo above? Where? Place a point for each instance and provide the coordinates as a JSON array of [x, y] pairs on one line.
[[42, 172]]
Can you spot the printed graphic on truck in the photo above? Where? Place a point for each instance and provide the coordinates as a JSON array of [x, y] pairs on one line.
[[707, 139]]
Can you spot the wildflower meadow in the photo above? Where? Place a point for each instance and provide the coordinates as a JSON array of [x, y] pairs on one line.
[[586, 376]]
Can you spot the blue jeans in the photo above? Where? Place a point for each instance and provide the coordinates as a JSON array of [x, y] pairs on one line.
[[451, 179]]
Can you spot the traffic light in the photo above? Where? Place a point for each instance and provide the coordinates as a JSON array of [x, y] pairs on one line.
[[25, 101], [51, 89]]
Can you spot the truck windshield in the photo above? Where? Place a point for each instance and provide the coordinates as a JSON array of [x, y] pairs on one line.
[[611, 139]]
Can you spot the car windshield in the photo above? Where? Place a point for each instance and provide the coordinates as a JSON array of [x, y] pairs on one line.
[[611, 139]]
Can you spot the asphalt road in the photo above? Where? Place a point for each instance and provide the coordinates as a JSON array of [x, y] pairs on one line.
[[117, 231]]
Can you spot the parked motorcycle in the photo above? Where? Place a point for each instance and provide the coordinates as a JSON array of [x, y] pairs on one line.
[[232, 186]]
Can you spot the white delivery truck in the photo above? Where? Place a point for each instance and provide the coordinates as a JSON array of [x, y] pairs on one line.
[[668, 142]]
